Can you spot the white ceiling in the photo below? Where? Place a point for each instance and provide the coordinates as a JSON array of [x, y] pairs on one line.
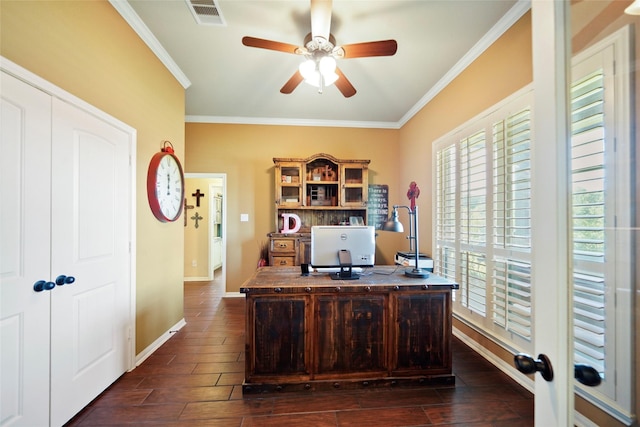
[[227, 82]]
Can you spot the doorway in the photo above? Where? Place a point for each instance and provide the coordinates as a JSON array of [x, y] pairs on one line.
[[205, 224]]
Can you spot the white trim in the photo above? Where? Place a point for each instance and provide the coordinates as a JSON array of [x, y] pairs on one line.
[[126, 11], [133, 246], [49, 88], [291, 122], [233, 295], [510, 18], [151, 348], [196, 279], [505, 367]]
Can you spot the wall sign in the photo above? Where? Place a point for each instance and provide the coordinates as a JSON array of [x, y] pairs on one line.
[[378, 205]]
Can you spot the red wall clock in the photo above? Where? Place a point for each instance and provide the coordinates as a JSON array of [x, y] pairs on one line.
[[165, 184]]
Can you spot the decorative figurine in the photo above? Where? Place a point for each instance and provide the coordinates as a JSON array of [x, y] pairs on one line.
[[413, 194]]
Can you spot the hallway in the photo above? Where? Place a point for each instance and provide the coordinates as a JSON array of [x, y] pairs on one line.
[[195, 379]]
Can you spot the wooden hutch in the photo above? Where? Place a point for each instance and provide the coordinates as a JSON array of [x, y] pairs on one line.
[[321, 190]]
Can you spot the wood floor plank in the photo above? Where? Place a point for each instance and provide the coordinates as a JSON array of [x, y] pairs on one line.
[[384, 417], [323, 419], [488, 411], [189, 394], [226, 409]]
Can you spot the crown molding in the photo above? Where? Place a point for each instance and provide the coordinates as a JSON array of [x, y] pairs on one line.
[[126, 11], [291, 122]]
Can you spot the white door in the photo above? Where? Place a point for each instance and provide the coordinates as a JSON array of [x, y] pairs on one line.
[[554, 400], [25, 171], [90, 242], [66, 209]]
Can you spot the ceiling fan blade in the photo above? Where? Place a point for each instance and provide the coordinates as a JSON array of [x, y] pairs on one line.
[[292, 83], [270, 44], [344, 85], [362, 50], [321, 18]]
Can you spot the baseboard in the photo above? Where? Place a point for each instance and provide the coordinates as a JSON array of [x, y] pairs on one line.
[[196, 279], [144, 354], [505, 367], [233, 295]]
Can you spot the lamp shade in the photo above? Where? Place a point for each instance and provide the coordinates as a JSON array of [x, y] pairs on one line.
[[393, 224]]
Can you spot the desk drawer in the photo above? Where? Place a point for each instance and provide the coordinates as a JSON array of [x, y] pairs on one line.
[[283, 245], [283, 261]]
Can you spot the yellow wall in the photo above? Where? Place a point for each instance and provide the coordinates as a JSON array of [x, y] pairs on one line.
[[87, 49], [245, 153]]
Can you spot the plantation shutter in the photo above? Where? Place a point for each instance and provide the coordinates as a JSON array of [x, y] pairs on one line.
[[445, 257], [511, 296], [473, 221], [588, 180]]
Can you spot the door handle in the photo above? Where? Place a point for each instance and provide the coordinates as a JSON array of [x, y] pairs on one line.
[[64, 280], [586, 375], [528, 365], [43, 285]]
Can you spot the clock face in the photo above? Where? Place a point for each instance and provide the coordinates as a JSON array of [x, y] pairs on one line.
[[165, 187]]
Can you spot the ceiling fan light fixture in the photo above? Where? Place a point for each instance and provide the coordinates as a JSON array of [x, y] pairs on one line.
[[308, 69], [327, 66], [312, 69]]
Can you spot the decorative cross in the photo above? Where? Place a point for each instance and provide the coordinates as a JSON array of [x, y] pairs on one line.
[[196, 218], [197, 195], [413, 194], [186, 206]]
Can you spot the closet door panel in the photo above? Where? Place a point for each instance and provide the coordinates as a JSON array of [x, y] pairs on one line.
[[91, 210], [25, 126]]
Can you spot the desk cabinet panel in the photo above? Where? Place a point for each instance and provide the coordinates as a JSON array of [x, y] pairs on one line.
[[422, 326], [279, 335], [351, 334]]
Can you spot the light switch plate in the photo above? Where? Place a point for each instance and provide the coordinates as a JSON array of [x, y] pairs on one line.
[[244, 217]]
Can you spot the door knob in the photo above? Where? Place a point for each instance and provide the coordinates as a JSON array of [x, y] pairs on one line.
[[43, 285], [587, 375], [64, 280], [528, 365]]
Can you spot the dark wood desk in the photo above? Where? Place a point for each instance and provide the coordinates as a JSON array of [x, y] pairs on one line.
[[312, 332]]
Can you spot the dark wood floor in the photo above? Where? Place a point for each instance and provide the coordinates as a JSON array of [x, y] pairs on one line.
[[195, 379]]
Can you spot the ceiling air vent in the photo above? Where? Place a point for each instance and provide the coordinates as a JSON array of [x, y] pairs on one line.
[[206, 12]]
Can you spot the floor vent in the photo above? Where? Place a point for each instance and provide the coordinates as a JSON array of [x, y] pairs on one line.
[[206, 12]]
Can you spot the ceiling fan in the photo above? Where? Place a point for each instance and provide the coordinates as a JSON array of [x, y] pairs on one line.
[[321, 52]]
